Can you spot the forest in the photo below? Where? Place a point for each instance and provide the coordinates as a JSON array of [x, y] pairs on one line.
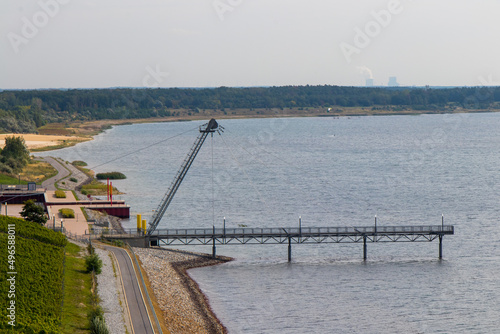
[[24, 111]]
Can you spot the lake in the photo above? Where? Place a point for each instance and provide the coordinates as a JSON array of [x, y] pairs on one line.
[[406, 170]]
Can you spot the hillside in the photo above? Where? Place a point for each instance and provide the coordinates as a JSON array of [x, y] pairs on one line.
[[31, 275]]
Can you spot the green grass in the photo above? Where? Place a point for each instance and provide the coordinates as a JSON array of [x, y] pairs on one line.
[[77, 293], [32, 231], [84, 213], [79, 163], [39, 258], [60, 194], [67, 213], [111, 176], [6, 179], [96, 188]]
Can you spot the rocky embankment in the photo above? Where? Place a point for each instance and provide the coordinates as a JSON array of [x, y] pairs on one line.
[[185, 308]]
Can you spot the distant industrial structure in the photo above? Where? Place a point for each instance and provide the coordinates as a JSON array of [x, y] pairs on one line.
[[369, 82], [393, 82]]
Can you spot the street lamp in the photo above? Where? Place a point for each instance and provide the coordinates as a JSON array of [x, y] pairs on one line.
[[19, 176]]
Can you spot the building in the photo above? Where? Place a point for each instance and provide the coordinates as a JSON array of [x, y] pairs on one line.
[[393, 82]]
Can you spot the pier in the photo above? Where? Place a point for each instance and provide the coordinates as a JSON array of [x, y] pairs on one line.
[[292, 235]]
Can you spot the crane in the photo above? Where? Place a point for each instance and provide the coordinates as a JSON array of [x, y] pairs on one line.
[[208, 128]]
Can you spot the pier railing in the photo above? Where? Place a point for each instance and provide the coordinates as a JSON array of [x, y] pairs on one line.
[[290, 231], [297, 235]]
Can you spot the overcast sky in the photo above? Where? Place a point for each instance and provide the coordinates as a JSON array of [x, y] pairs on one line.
[[211, 43]]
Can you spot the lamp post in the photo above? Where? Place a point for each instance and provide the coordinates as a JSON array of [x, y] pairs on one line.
[[300, 227], [19, 178]]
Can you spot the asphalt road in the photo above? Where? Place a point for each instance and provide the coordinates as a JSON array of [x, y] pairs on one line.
[[136, 304], [61, 173]]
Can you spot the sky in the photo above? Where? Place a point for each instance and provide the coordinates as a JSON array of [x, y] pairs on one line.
[[212, 43]]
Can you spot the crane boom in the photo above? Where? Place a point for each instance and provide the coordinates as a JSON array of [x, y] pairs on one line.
[[205, 129]]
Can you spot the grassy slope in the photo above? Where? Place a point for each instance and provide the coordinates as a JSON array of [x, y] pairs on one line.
[[33, 171], [40, 256], [39, 266], [77, 293], [5, 179]]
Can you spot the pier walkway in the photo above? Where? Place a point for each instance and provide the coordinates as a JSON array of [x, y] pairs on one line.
[[292, 235]]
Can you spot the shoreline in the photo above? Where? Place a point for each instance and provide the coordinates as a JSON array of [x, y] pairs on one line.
[[184, 307], [85, 131]]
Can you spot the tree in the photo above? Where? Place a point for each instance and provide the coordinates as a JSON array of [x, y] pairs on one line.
[[93, 263], [15, 147], [33, 213], [15, 154]]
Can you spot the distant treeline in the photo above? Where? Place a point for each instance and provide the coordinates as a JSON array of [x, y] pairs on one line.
[[23, 111]]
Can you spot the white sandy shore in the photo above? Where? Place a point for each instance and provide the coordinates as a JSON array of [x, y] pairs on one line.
[[38, 141]]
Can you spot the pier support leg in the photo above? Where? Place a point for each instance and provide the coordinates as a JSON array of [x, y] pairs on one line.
[[213, 249], [364, 248], [440, 247], [289, 250]]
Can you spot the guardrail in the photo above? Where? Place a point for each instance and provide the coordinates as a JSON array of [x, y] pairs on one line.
[[369, 230]]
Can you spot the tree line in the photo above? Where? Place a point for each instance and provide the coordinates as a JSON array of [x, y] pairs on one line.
[[25, 110]]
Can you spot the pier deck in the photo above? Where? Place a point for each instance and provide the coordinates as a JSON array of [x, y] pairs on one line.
[[293, 235]]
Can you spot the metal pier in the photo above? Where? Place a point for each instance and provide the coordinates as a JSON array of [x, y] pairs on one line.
[[293, 235]]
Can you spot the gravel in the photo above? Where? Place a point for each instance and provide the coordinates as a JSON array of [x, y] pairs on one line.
[[185, 308], [109, 292]]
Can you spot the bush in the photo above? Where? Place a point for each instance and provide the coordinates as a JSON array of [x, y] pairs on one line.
[[67, 213], [60, 194], [96, 313], [98, 326], [33, 212], [93, 263], [73, 179], [111, 176], [79, 163]]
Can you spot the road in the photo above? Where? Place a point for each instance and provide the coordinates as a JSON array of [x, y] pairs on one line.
[[136, 304], [62, 172]]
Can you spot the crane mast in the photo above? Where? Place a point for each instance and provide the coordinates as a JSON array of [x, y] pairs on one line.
[[205, 129]]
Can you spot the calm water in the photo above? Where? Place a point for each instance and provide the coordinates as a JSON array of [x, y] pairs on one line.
[[331, 172]]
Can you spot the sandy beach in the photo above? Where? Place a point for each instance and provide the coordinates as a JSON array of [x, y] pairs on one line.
[[34, 141], [185, 309]]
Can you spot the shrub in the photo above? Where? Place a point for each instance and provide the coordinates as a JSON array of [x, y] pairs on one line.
[[73, 179], [60, 194], [98, 326], [79, 163], [96, 313], [67, 213], [111, 176], [93, 263], [90, 249], [33, 212]]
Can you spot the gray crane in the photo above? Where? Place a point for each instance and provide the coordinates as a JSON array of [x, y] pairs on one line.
[[208, 128]]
